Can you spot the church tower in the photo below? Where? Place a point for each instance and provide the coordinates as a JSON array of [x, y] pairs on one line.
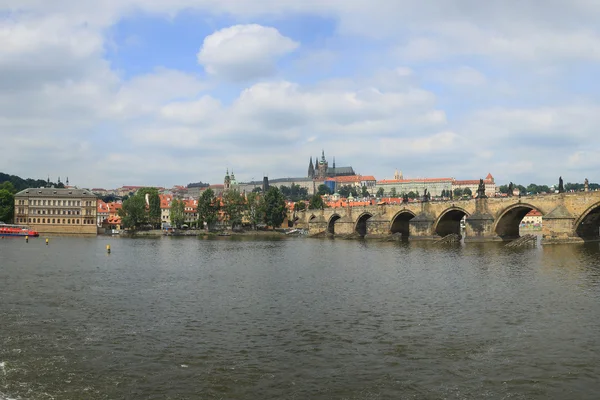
[[323, 166], [226, 181], [311, 169]]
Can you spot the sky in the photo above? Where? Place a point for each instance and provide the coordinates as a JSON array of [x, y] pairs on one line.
[[168, 92]]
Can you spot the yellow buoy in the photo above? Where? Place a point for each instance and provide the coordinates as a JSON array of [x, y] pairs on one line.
[[47, 240], [26, 239], [108, 248]]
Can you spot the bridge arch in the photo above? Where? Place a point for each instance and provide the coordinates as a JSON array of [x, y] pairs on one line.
[[331, 223], [449, 221], [400, 223], [507, 224], [361, 224], [587, 226]]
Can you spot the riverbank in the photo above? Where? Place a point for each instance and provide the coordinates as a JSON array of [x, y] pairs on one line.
[[195, 232]]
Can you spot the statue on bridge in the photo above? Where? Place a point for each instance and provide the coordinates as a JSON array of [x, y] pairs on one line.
[[481, 190], [511, 187], [426, 196], [405, 198], [586, 185], [561, 188]]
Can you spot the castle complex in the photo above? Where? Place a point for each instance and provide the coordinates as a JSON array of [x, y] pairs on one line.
[[320, 170]]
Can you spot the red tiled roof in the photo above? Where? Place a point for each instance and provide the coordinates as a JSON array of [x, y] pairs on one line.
[[534, 213]]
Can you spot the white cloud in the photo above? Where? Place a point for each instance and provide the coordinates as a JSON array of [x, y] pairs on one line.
[[243, 52]]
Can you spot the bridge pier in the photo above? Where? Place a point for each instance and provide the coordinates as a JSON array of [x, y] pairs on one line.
[[480, 225], [377, 228], [558, 226], [421, 227]]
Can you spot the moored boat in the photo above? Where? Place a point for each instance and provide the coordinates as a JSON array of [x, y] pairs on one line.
[[16, 230]]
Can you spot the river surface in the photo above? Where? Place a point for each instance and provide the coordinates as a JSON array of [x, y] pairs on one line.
[[296, 318]]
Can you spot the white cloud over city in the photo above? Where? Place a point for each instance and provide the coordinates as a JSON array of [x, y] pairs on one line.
[[460, 89]]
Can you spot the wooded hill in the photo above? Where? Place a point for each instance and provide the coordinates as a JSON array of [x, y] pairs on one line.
[[20, 183]]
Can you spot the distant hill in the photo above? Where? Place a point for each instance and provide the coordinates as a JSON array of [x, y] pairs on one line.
[[20, 183]]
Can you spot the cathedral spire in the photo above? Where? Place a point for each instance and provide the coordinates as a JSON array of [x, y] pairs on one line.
[[311, 169]]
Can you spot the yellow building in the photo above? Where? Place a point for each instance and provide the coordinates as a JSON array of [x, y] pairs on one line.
[[53, 210]]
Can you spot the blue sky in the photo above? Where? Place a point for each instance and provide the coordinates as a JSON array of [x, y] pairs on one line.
[[157, 92]]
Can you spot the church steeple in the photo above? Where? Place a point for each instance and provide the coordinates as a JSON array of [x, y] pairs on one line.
[[311, 169], [333, 162]]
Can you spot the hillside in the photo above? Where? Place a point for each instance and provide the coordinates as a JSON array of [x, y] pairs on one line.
[[20, 183]]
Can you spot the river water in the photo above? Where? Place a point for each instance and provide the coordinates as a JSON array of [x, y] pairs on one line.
[[296, 318]]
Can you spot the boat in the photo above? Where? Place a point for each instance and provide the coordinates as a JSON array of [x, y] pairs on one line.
[[16, 230]]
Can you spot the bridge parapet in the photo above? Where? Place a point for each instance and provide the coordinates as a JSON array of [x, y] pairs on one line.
[[567, 217]]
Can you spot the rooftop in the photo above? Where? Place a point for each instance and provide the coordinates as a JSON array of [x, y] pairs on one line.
[[55, 192]]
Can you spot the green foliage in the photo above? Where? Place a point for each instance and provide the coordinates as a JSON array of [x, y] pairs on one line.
[[275, 209], [347, 190], [133, 213], [294, 193], [412, 195], [233, 206], [255, 209], [8, 186], [467, 192], [208, 209], [109, 198], [316, 202], [365, 192], [7, 205], [257, 189], [299, 206], [458, 192], [323, 190], [153, 204], [380, 192], [19, 183], [177, 213], [393, 192]]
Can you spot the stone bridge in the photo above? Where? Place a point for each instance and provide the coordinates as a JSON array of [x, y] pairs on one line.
[[566, 218]]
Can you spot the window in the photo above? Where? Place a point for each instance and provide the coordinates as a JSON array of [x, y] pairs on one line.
[[68, 221], [63, 220], [77, 222], [43, 220], [53, 221]]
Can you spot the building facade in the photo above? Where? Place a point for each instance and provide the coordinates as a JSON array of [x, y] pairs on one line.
[[473, 185], [53, 210]]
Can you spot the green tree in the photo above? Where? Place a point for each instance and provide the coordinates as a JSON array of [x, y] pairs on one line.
[[153, 203], [257, 190], [133, 213], [233, 206], [393, 192], [467, 192], [365, 192], [458, 192], [208, 209], [411, 195], [380, 192], [323, 190], [503, 189], [255, 209], [275, 209], [8, 186], [316, 202], [177, 213], [7, 205], [299, 206]]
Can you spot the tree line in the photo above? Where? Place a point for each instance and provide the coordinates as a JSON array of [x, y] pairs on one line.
[[232, 210]]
